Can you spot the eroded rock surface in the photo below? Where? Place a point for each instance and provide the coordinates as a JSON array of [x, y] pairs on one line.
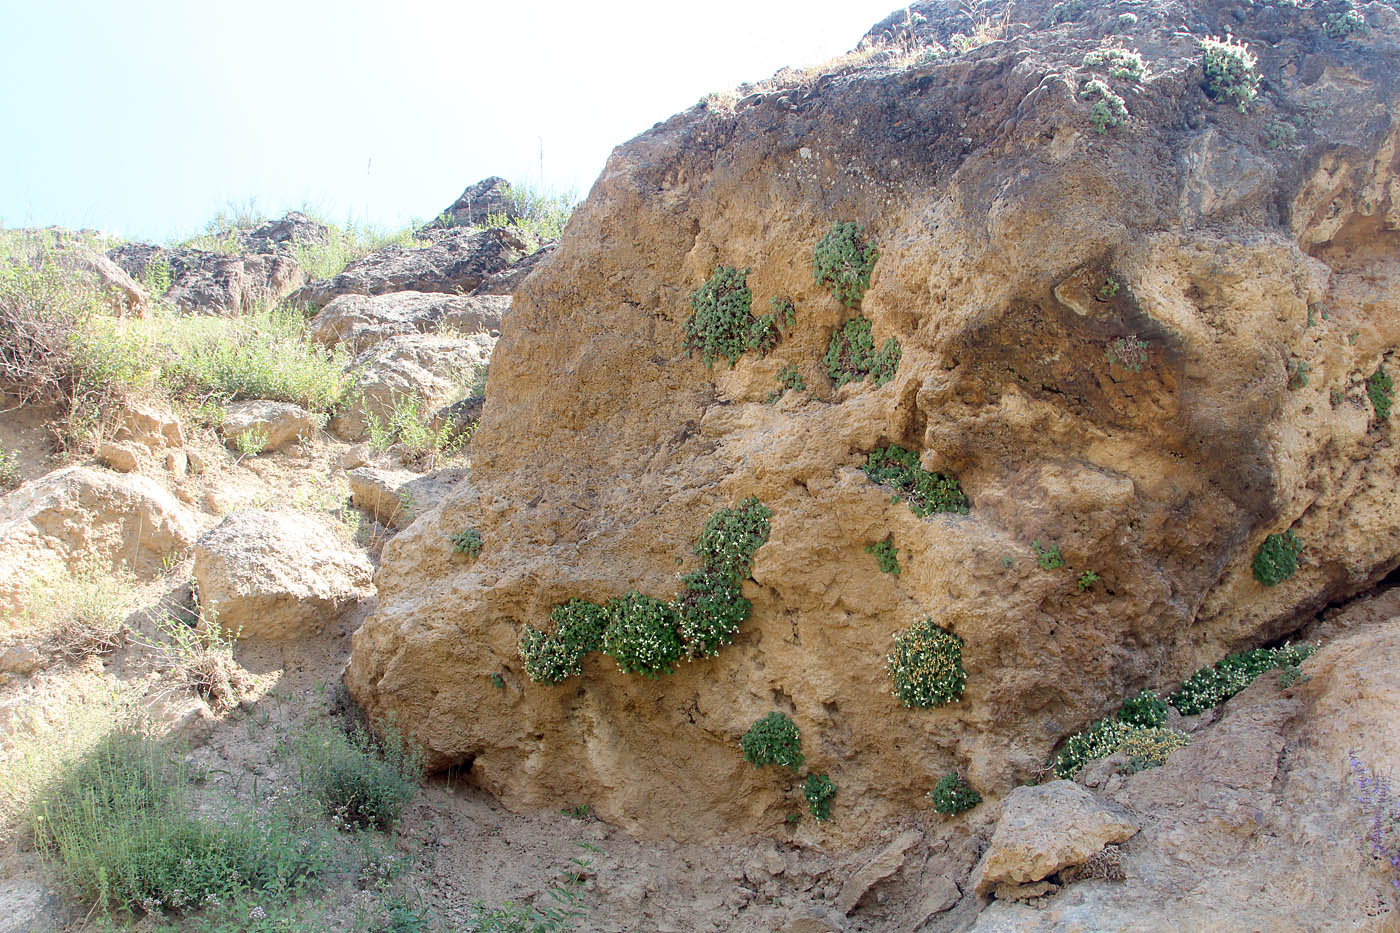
[[416, 369], [361, 321], [266, 425], [277, 575], [397, 497], [1000, 214]]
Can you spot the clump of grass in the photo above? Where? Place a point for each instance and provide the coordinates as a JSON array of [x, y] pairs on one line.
[[1149, 747], [409, 424], [924, 492], [361, 781], [343, 245], [119, 827], [200, 660], [536, 216]]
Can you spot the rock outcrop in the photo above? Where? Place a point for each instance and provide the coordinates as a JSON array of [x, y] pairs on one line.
[[490, 196], [1140, 350], [78, 514], [414, 369], [276, 575], [457, 261], [361, 321], [396, 497]]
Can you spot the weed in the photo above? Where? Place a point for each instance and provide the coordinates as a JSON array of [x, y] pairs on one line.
[[773, 740], [1145, 709], [251, 442], [926, 666], [1127, 21], [789, 379], [924, 492], [1380, 389], [1280, 135], [563, 914], [1109, 110], [710, 609], [642, 635], [953, 795], [9, 469], [328, 258], [1087, 579], [818, 790], [1277, 559], [467, 542], [1068, 11], [201, 661], [360, 781], [1123, 64], [580, 812], [1149, 747], [886, 555], [1230, 71], [1208, 687], [851, 355], [1381, 813], [1297, 374], [497, 680], [554, 657], [842, 261], [1048, 558], [410, 425], [1109, 289]]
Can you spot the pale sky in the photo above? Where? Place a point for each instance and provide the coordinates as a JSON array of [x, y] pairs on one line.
[[145, 117]]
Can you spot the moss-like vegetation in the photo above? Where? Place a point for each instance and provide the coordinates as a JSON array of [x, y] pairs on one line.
[[924, 492], [1277, 559]]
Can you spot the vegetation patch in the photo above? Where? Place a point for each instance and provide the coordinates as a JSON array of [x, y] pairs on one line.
[[710, 609], [953, 795], [409, 424], [773, 740], [1149, 747], [924, 492], [1145, 709], [642, 635], [1380, 388], [788, 379], [1123, 64], [1098, 741], [722, 324], [851, 355], [818, 790], [1086, 581], [926, 666], [842, 262], [1211, 686], [886, 555], [361, 782], [468, 542], [1048, 557], [1277, 559], [1230, 72], [1108, 110], [553, 657], [1130, 352]]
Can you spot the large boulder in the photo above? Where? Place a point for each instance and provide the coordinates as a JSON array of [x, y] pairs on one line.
[[206, 282], [1046, 828], [277, 575], [267, 425], [418, 369], [79, 514], [111, 278], [508, 281], [361, 321], [455, 262], [488, 197], [291, 229], [1140, 381]]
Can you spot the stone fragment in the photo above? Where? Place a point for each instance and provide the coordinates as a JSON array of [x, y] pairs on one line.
[[118, 456], [1047, 827], [147, 424], [177, 462], [361, 321], [21, 659], [889, 861], [414, 369], [396, 497], [277, 575], [276, 424]]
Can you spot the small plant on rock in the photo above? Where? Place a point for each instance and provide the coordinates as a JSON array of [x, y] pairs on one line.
[[842, 261], [1123, 64], [886, 555], [1380, 388], [1277, 559], [468, 542], [926, 666], [1208, 687], [1149, 747], [925, 492], [788, 379], [710, 609], [1230, 71], [721, 323], [1098, 741], [1049, 558], [851, 355], [642, 636], [1087, 579], [952, 795], [9, 469], [819, 790], [1109, 110], [1345, 22], [1145, 709], [251, 442], [553, 657], [773, 740]]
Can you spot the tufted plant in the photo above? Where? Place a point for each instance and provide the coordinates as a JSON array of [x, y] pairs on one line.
[[926, 666]]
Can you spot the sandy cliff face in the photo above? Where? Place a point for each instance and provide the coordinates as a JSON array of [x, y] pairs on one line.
[[1000, 215]]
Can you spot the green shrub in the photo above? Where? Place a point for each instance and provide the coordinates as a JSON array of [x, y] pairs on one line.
[[1277, 559], [1048, 558], [1098, 741], [1229, 71], [1344, 22], [1210, 686], [1149, 747], [121, 831], [925, 492], [1380, 388], [953, 795], [1124, 64], [468, 542], [721, 323], [1087, 579], [642, 635], [553, 657], [842, 262], [819, 790], [1068, 11], [1109, 110], [710, 609], [886, 555], [851, 355], [926, 666], [773, 740], [732, 536], [361, 781], [1145, 709]]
